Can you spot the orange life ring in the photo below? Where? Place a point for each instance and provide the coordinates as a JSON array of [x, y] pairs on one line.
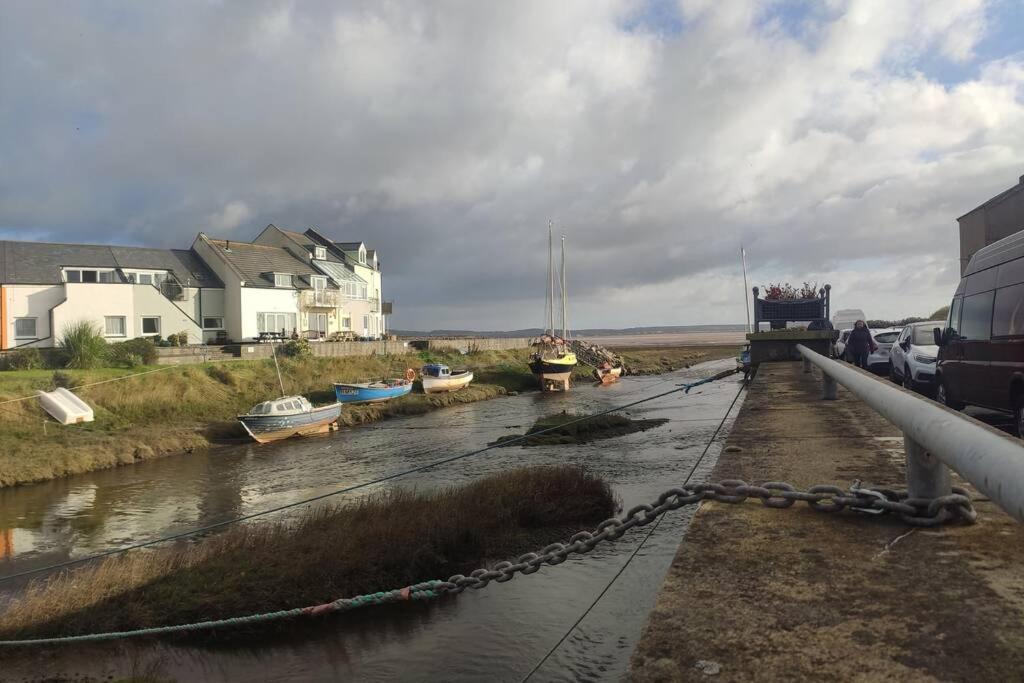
[[410, 374]]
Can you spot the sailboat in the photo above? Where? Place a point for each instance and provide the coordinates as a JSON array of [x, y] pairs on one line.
[[552, 361], [288, 416]]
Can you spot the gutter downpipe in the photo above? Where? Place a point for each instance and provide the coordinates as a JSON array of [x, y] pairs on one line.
[[3, 318], [936, 437]]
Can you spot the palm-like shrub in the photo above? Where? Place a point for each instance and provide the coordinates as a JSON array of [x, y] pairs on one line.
[[83, 346]]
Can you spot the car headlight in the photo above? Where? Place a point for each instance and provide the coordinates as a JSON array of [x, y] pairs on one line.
[[923, 359]]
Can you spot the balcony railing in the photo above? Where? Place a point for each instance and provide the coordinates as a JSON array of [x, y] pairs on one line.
[[320, 298]]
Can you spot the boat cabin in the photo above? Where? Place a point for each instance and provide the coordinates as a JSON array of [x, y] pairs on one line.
[[436, 370], [286, 405]]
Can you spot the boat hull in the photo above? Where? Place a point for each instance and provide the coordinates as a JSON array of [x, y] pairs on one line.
[[553, 376], [607, 375], [267, 428], [440, 385], [362, 393]]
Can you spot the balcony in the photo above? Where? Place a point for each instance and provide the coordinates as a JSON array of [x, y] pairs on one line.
[[374, 305], [319, 298]]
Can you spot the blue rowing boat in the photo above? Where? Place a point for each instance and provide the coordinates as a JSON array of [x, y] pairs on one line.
[[372, 392]]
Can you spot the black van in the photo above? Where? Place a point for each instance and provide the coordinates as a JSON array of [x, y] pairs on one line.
[[981, 349]]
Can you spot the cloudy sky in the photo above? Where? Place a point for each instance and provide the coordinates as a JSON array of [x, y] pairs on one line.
[[838, 141]]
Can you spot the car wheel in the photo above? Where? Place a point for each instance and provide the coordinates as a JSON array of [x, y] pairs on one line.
[[892, 374], [908, 380], [1018, 415], [942, 396]]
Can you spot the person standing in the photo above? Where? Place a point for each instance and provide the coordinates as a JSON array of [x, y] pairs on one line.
[[860, 344]]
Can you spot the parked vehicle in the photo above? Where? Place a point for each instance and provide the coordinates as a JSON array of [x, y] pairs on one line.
[[878, 360], [439, 378], [841, 344], [981, 345], [845, 318], [912, 358]]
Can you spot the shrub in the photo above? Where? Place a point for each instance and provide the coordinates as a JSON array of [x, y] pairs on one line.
[[64, 379], [83, 346], [221, 374], [25, 359], [296, 348], [140, 351], [179, 339]]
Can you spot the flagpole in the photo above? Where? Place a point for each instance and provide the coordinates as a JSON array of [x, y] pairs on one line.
[[746, 293]]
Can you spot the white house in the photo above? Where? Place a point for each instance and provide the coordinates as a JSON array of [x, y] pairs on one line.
[[125, 292]]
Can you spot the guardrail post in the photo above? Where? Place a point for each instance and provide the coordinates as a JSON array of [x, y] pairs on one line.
[[830, 388], [807, 365], [927, 477]]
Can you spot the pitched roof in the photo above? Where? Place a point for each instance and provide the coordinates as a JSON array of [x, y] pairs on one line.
[[40, 263], [255, 262]]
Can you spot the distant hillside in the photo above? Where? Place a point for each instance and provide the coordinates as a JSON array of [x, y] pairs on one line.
[[593, 332]]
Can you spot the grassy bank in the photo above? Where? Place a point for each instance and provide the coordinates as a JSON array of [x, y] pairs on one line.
[[653, 360], [183, 408], [386, 541]]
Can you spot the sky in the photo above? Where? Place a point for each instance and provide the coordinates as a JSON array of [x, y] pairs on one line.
[[836, 140]]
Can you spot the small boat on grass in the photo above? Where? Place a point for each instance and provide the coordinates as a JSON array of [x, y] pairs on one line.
[[606, 373], [288, 416], [373, 392], [438, 378]]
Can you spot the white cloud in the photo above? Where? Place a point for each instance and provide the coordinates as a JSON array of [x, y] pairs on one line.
[[452, 132]]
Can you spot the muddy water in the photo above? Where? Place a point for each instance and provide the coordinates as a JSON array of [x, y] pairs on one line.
[[498, 633]]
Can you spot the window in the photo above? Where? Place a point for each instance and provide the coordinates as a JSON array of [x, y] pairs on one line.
[[924, 335], [89, 276], [145, 278], [114, 326], [25, 328], [282, 280], [886, 337], [366, 322], [318, 281], [1008, 318], [320, 253], [151, 325], [953, 321], [362, 256], [346, 323], [213, 323], [275, 322], [74, 276], [318, 322], [107, 276], [976, 318]]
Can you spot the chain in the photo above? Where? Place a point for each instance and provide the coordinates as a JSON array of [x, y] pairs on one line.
[[924, 512]]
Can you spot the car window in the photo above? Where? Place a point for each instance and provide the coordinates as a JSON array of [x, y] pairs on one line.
[[846, 335], [953, 321], [1008, 316], [924, 336], [886, 337], [976, 317]]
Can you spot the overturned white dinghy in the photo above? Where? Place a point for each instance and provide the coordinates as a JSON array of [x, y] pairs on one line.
[[65, 407]]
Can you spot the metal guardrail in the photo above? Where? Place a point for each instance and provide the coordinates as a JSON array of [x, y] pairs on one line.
[[936, 437]]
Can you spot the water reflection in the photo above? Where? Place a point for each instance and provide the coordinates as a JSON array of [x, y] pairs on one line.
[[495, 634]]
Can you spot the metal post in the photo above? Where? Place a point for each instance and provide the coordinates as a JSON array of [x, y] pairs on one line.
[[927, 477], [830, 388], [807, 365]]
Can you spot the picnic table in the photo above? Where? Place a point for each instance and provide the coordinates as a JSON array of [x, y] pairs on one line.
[[270, 336]]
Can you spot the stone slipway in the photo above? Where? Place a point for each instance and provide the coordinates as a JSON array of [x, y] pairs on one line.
[[761, 594]]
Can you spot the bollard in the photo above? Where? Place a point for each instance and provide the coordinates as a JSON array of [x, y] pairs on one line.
[[927, 477], [830, 388], [807, 365]]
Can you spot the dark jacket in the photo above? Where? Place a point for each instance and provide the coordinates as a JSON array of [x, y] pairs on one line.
[[860, 340]]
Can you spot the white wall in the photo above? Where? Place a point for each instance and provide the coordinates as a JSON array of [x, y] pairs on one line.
[[256, 300], [31, 301]]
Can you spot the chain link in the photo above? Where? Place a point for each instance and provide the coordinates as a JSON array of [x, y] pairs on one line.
[[922, 512]]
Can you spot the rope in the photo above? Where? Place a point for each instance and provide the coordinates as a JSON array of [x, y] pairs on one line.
[[329, 494], [420, 591], [639, 546]]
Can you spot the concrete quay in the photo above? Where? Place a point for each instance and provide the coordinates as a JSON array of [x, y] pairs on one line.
[[756, 593]]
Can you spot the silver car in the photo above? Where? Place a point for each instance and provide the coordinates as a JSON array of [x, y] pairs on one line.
[[912, 358], [878, 361]]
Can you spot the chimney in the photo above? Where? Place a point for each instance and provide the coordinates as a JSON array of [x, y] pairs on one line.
[[227, 245], [1022, 180]]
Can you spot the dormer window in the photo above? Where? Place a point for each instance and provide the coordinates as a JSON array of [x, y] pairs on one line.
[[320, 253], [362, 255], [282, 280]]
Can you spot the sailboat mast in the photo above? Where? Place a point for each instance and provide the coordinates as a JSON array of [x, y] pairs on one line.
[[274, 354], [746, 292], [565, 318], [551, 283]]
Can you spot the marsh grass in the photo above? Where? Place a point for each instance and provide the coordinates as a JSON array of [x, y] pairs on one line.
[[387, 540], [565, 430]]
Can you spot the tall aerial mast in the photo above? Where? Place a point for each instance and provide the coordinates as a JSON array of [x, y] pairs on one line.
[[565, 318], [551, 283]]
